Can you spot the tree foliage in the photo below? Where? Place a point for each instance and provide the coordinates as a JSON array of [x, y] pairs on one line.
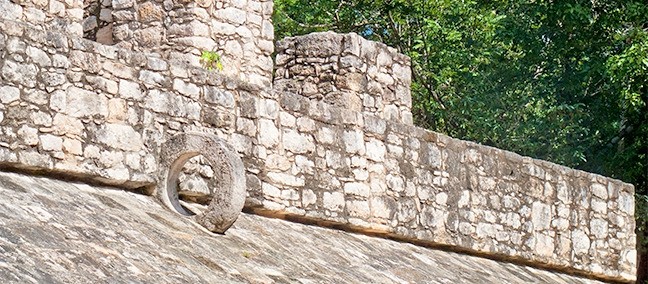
[[564, 81]]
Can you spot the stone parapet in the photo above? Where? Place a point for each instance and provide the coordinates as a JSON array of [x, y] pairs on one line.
[[365, 173], [347, 71]]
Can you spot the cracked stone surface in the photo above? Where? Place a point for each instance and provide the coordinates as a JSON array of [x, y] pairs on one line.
[[53, 231]]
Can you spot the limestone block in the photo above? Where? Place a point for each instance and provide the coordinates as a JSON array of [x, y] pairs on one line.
[[580, 241], [599, 190], [541, 216], [90, 23], [85, 61], [353, 142], [485, 230], [287, 119], [153, 79], [285, 179], [395, 183], [599, 228], [24, 74], [8, 155], [335, 160], [599, 206], [120, 173], [120, 136], [28, 135], [230, 15], [333, 201], [441, 198], [194, 185], [269, 108], [464, 199], [111, 159], [67, 125], [60, 61], [39, 56], [246, 127], [268, 133], [308, 198], [270, 190], [117, 110], [375, 150], [130, 90], [83, 103], [157, 64], [187, 89], [219, 96], [374, 125], [626, 203], [431, 155], [35, 159], [53, 79], [9, 94], [358, 208], [220, 28], [72, 146], [544, 245], [51, 143], [305, 124], [41, 118], [327, 135], [357, 188], [297, 143], [122, 4], [277, 162]]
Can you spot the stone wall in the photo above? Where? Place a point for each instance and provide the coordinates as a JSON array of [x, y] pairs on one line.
[[56, 15], [73, 105], [346, 71], [102, 112], [405, 182], [240, 31]]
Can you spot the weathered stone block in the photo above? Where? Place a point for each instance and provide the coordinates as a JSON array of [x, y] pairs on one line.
[[268, 133], [357, 188], [9, 94], [297, 143], [333, 201], [219, 96], [120, 136], [83, 103], [51, 143], [353, 142]]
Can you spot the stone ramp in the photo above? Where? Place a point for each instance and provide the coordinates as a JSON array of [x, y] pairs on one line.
[[54, 231]]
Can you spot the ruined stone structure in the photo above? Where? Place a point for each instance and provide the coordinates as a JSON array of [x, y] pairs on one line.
[[329, 139]]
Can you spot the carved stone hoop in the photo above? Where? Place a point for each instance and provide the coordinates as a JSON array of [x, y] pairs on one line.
[[227, 201]]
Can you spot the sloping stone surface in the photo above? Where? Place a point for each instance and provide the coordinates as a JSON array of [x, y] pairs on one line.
[[54, 231]]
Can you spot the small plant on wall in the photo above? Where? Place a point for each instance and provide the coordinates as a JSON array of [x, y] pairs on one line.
[[211, 60]]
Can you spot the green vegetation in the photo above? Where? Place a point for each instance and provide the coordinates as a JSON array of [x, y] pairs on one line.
[[211, 60], [564, 81]]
